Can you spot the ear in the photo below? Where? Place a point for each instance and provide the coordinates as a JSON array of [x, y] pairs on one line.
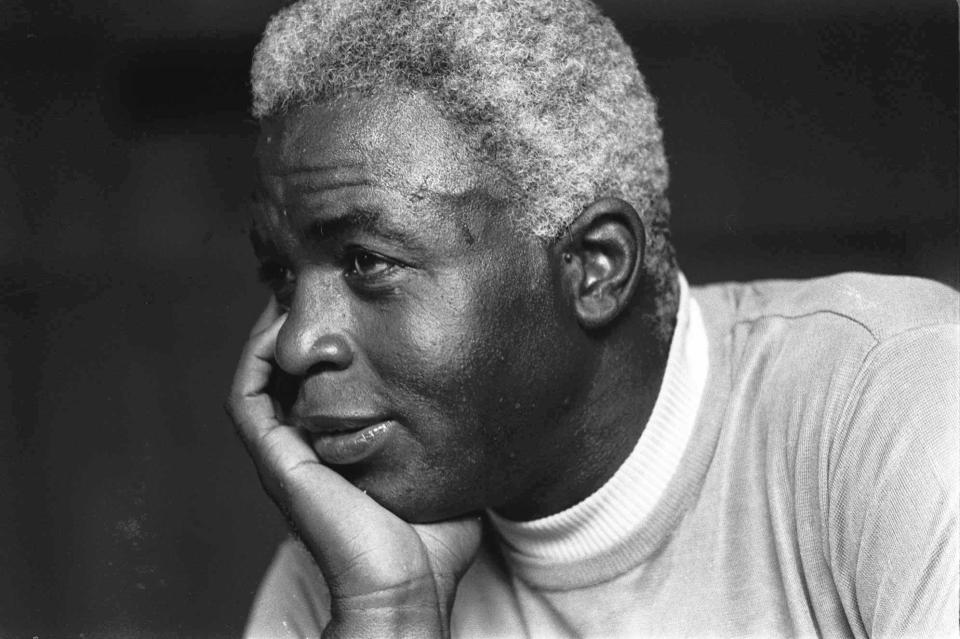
[[600, 259]]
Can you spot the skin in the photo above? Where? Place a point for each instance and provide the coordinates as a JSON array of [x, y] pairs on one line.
[[511, 370]]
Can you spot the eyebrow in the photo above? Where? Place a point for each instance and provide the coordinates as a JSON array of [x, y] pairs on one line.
[[364, 219], [345, 172]]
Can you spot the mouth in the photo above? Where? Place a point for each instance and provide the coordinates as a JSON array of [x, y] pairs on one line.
[[341, 441]]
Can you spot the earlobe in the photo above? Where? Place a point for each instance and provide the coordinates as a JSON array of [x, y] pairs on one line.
[[602, 254]]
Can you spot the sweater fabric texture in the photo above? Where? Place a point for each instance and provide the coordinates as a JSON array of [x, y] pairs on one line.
[[798, 476]]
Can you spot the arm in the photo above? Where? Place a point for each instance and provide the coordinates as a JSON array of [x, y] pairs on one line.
[[386, 578]]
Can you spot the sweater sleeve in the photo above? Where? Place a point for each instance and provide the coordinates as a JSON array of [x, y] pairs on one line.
[[292, 601], [893, 501]]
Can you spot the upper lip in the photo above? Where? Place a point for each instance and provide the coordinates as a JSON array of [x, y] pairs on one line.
[[328, 424]]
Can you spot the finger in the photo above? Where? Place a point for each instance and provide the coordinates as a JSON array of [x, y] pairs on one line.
[[252, 409], [257, 360], [350, 535], [277, 450], [337, 521], [270, 314], [287, 465]]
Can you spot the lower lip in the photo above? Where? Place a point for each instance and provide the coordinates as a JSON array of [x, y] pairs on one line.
[[341, 449]]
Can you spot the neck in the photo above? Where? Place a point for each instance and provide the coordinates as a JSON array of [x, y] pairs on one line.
[[597, 433]]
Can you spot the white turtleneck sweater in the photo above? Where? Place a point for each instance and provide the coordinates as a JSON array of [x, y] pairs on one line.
[[798, 476]]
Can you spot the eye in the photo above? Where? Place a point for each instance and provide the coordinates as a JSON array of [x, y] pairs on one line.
[[367, 265]]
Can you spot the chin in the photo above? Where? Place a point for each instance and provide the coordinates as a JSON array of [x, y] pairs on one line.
[[416, 502]]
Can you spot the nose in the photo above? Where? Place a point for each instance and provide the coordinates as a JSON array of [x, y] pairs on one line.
[[314, 336]]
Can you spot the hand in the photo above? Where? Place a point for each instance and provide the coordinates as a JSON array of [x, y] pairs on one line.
[[386, 577]]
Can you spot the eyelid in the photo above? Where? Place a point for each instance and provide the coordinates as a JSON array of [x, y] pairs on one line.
[[351, 255], [350, 251]]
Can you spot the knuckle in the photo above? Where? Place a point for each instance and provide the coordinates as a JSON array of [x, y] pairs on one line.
[[268, 442], [299, 472]]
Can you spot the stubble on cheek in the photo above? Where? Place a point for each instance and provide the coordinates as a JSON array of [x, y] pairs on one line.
[[462, 362]]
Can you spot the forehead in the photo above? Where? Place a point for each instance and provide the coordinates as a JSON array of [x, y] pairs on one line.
[[398, 140]]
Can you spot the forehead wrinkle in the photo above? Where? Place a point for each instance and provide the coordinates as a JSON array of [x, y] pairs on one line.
[[315, 179], [423, 206], [433, 210], [351, 140]]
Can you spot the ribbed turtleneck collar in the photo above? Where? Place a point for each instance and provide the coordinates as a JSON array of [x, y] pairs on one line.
[[606, 520]]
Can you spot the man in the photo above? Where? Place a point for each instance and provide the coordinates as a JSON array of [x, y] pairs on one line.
[[488, 402]]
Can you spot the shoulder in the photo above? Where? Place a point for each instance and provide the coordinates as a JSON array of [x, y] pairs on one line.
[[855, 375], [902, 413], [891, 491], [880, 305], [844, 347], [860, 373], [807, 342]]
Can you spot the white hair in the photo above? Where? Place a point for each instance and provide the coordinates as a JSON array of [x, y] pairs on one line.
[[547, 91]]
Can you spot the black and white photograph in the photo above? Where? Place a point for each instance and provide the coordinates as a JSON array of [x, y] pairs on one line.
[[479, 318]]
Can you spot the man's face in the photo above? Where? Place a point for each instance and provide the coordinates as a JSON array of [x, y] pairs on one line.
[[428, 351]]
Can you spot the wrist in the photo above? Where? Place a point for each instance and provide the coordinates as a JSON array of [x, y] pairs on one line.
[[399, 622], [411, 610]]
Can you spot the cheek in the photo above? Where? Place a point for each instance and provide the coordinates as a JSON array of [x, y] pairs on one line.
[[479, 347], [471, 365], [434, 345]]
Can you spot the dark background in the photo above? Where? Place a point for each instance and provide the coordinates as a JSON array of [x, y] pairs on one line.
[[804, 138]]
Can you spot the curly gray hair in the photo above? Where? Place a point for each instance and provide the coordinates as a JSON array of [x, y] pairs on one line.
[[545, 90]]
